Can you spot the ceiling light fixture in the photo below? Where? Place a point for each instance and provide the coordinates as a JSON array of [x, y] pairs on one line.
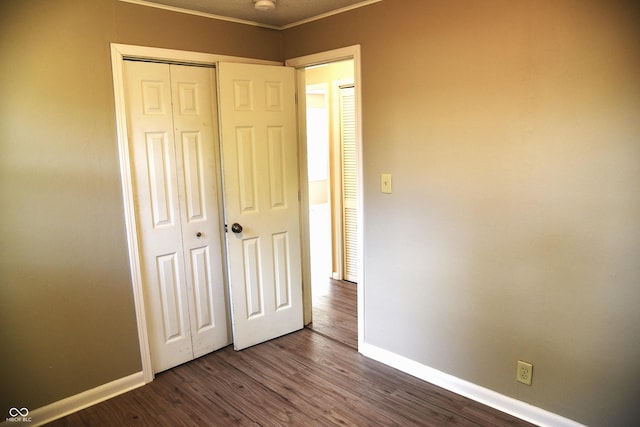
[[265, 4]]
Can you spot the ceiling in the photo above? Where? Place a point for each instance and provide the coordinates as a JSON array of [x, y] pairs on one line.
[[287, 13]]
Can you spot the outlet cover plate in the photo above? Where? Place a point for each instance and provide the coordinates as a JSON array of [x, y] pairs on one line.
[[524, 372]]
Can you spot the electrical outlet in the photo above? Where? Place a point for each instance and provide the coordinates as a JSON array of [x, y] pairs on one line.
[[524, 372]]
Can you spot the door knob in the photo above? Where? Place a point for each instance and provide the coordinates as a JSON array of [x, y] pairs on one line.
[[199, 234], [236, 228]]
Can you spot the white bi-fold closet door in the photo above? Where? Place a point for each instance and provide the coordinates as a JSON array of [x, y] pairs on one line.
[[173, 145], [172, 130]]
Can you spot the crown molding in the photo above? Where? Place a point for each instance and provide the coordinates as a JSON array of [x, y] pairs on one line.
[[246, 22], [327, 14]]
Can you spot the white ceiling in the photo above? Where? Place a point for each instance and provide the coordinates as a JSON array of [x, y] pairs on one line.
[[287, 12]]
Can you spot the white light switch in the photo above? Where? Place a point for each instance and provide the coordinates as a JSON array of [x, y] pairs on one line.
[[385, 183]]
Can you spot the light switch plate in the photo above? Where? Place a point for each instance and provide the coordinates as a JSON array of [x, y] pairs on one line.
[[385, 183]]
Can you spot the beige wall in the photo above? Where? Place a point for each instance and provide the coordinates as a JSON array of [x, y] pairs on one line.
[[512, 129], [67, 322]]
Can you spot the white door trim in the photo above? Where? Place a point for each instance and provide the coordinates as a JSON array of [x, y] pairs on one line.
[[349, 52], [120, 52]]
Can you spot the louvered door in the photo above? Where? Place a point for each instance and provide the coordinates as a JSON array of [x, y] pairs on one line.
[[349, 183]]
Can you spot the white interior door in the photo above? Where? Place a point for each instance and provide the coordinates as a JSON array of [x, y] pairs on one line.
[[260, 163], [172, 135], [349, 183]]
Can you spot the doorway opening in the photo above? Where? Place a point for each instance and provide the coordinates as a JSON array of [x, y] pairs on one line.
[[333, 209]]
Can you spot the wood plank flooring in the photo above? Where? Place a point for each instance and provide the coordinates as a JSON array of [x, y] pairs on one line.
[[302, 379], [335, 312]]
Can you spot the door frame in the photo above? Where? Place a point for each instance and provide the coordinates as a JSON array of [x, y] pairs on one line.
[[300, 63], [120, 52]]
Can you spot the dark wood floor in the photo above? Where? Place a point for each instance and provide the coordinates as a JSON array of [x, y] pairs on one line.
[[335, 312], [306, 378]]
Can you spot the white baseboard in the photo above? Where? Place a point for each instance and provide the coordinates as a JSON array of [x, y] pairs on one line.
[[61, 408], [503, 403]]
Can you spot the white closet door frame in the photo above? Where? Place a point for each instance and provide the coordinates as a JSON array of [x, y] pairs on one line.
[[118, 54]]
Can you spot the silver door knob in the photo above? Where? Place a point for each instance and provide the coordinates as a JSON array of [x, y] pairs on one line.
[[236, 228]]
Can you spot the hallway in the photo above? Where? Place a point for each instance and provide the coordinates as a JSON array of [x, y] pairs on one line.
[[335, 312]]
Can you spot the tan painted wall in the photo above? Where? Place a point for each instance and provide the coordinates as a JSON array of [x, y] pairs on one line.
[[67, 322], [512, 130]]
